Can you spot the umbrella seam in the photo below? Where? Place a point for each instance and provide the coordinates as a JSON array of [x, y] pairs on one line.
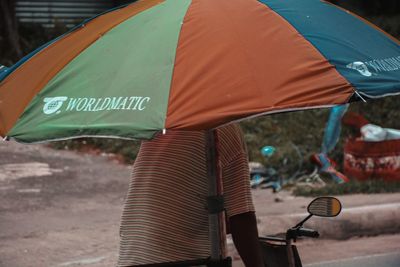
[[174, 66]]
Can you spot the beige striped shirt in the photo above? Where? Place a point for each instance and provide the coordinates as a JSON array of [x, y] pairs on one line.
[[165, 217]]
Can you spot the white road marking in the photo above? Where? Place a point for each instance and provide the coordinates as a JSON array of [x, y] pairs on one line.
[[323, 263], [6, 187], [363, 209], [82, 261], [29, 190], [16, 171], [360, 209]]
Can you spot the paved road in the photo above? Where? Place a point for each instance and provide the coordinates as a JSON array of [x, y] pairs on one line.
[[378, 260], [62, 209]]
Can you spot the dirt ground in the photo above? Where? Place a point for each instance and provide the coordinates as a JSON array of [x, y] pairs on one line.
[[60, 208]]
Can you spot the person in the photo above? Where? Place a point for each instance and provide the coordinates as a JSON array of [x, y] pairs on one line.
[[165, 218]]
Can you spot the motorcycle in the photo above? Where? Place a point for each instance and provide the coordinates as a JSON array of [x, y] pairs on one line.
[[277, 251], [281, 251]]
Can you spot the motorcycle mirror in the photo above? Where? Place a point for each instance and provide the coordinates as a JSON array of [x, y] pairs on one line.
[[325, 207]]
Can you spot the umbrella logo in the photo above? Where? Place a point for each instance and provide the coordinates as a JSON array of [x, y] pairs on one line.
[[360, 67], [53, 104]]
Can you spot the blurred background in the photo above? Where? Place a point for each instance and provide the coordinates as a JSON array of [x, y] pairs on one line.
[[60, 203]]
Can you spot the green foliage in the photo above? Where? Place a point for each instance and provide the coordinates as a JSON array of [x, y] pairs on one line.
[[289, 133], [353, 187]]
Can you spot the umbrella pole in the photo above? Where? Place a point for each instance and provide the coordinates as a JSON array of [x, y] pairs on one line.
[[215, 199]]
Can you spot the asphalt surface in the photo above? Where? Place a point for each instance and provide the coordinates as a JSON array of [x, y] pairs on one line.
[[378, 260], [61, 208]]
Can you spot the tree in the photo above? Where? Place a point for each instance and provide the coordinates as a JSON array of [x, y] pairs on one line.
[[371, 7], [9, 28]]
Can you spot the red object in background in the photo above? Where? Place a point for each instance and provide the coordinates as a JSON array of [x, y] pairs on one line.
[[355, 121], [372, 160]]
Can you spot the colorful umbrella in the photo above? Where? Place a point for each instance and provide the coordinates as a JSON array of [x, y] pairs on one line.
[[194, 64]]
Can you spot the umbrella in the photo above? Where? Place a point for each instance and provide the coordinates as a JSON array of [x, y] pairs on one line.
[[158, 65], [181, 64]]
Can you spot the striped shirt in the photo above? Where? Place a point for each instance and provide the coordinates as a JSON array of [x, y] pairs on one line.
[[165, 217]]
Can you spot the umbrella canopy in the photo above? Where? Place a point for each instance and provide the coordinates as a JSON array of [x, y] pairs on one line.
[[194, 64]]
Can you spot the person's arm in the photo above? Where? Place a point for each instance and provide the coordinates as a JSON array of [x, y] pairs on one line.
[[243, 228]]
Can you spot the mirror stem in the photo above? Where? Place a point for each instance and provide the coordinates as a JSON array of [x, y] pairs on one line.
[[303, 221]]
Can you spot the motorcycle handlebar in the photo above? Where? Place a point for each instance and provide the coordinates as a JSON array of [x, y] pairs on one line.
[[307, 232]]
